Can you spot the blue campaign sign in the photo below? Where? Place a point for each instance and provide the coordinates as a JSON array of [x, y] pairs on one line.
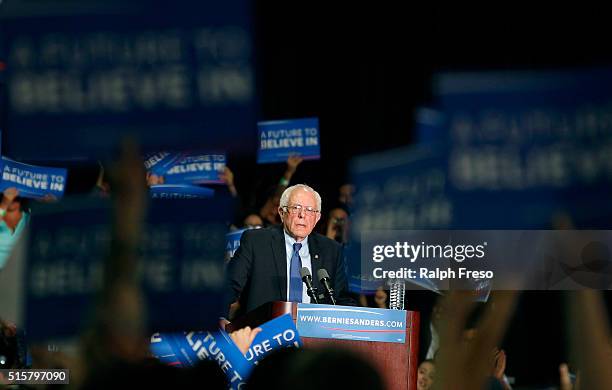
[[431, 125], [352, 323], [236, 367], [180, 191], [173, 77], [164, 347], [187, 348], [518, 109], [195, 168], [181, 267], [32, 181], [280, 139], [530, 142], [277, 333], [400, 189], [158, 162], [232, 240]]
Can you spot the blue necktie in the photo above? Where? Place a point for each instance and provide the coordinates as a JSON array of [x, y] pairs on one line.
[[295, 280]]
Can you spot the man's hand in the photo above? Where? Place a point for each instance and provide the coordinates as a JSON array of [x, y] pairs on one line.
[[244, 337]]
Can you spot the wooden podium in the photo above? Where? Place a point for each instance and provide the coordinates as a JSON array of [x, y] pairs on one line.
[[396, 363]]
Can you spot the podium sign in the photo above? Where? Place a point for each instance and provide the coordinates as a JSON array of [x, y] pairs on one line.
[[343, 322]]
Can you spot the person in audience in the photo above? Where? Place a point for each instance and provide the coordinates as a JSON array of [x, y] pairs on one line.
[[227, 176], [380, 299], [337, 224], [153, 179], [345, 195], [305, 369], [433, 325], [9, 352], [498, 358], [590, 341], [253, 221], [464, 360], [425, 375], [14, 216], [269, 210]]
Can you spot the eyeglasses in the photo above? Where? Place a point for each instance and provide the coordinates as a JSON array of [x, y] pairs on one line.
[[295, 210]]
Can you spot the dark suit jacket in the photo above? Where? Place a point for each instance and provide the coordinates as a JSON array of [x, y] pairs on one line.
[[257, 273]]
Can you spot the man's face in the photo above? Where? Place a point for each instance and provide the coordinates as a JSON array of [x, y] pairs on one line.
[[300, 224]]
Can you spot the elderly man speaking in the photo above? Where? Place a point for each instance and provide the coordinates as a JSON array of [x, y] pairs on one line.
[[266, 267]]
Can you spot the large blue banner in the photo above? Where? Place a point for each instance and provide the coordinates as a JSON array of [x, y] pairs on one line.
[[32, 181], [523, 132], [283, 138], [499, 151], [174, 77], [181, 262], [351, 323]]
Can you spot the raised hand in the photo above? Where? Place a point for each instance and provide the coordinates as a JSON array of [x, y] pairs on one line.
[[293, 162], [467, 366], [243, 338]]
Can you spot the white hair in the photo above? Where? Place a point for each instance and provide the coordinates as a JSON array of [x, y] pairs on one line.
[[284, 200]]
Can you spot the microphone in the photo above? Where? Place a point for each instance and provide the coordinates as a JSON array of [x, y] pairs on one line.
[[324, 278], [307, 279]]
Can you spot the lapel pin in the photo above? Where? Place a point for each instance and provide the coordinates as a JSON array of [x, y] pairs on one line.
[[316, 256]]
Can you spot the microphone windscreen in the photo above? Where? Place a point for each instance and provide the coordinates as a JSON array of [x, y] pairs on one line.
[[305, 272], [322, 274]]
